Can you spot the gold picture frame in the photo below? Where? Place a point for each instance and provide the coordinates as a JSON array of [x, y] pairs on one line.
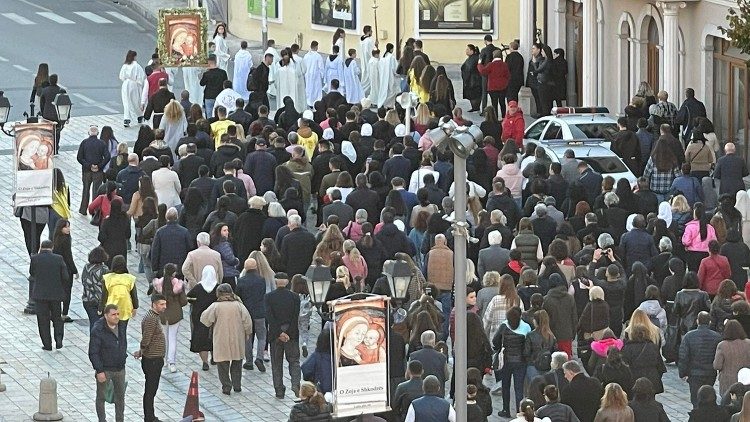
[[182, 37]]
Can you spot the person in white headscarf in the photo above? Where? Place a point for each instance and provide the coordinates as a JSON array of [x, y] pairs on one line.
[[665, 213], [348, 151], [201, 296], [629, 222], [743, 206], [400, 131], [328, 134]]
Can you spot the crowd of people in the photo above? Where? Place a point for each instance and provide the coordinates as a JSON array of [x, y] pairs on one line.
[[580, 287]]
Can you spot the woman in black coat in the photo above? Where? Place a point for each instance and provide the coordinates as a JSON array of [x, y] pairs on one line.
[[471, 78], [373, 252], [545, 78], [644, 358], [193, 212], [62, 245], [560, 76], [707, 410], [114, 232], [644, 405], [738, 255]]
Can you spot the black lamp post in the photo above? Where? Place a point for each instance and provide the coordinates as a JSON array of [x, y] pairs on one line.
[[4, 112], [318, 279], [62, 105]]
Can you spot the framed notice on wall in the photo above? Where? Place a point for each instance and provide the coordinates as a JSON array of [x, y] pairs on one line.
[[255, 8], [335, 13], [456, 16]]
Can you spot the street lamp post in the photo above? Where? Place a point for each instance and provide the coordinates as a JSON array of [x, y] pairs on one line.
[[399, 276], [264, 23], [408, 101], [462, 141]]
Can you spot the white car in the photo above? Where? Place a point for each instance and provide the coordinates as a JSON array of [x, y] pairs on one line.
[[568, 124], [594, 152]]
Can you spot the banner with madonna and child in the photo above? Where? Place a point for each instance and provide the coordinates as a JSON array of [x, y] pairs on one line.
[[33, 163], [360, 334]]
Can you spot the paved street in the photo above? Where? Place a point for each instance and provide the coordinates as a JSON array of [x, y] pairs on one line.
[[93, 37]]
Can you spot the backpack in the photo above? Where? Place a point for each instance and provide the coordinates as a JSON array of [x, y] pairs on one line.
[[654, 320], [543, 361]]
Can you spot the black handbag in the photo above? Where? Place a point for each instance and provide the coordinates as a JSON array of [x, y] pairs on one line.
[[96, 219]]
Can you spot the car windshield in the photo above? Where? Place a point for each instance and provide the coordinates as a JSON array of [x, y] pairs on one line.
[[593, 130], [605, 165]]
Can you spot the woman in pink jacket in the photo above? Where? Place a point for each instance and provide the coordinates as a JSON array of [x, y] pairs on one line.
[[698, 233], [511, 174]]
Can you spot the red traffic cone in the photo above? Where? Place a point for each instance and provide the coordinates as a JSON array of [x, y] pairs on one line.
[[192, 402]]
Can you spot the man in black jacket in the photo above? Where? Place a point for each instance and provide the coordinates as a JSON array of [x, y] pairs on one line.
[[171, 243], [334, 98], [432, 361], [697, 351], [257, 84], [362, 197], [583, 393], [690, 109], [627, 146], [251, 288], [213, 81], [282, 307], [514, 60], [187, 167], [297, 247], [128, 179], [240, 116], [485, 57], [157, 103], [500, 199], [108, 350], [49, 274], [93, 155], [408, 391]]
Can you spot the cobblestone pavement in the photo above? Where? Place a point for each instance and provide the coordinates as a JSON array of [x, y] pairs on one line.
[[23, 362]]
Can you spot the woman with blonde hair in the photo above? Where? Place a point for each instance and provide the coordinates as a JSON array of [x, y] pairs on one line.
[[355, 263], [496, 311], [264, 269], [391, 116], [640, 318], [118, 161], [421, 118], [333, 241], [647, 93], [744, 414], [490, 289], [682, 213], [614, 405], [174, 124]]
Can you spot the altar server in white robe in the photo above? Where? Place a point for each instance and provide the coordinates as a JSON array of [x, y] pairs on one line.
[[271, 49], [367, 43], [221, 48], [191, 77], [373, 72], [388, 84], [352, 72], [299, 68], [286, 79], [243, 62], [335, 69], [172, 76], [312, 64], [132, 76]]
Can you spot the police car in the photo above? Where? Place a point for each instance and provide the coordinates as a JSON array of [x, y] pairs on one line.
[[594, 152], [569, 123]]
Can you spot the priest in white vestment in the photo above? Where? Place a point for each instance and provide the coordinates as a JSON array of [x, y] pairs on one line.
[[352, 72], [388, 84], [299, 100], [132, 76], [334, 69], [243, 62], [191, 77], [274, 67], [313, 66], [373, 71], [286, 80], [366, 45]]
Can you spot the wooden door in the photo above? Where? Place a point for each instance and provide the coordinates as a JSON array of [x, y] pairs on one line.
[[653, 66]]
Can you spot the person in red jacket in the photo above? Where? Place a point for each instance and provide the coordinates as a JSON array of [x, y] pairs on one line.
[[514, 124], [713, 269], [498, 76]]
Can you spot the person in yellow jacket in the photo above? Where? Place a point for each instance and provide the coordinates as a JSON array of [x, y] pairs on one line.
[[306, 138], [119, 289], [60, 208]]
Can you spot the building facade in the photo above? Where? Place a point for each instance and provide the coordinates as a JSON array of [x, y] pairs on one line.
[[614, 45]]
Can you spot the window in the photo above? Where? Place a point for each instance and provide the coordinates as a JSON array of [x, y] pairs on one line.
[[605, 165], [535, 131], [554, 131], [593, 131]]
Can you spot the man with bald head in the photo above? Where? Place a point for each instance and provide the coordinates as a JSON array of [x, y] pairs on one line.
[[171, 244], [730, 169], [251, 288]]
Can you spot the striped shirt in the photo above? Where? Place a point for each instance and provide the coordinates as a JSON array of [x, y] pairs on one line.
[[153, 344]]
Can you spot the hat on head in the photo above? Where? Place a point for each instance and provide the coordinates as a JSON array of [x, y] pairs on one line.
[[261, 142], [555, 280], [308, 114], [512, 103]]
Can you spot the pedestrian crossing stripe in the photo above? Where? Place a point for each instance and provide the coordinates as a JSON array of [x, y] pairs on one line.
[[93, 17], [63, 20], [55, 18]]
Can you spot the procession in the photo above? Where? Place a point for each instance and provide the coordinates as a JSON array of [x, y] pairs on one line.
[[486, 221]]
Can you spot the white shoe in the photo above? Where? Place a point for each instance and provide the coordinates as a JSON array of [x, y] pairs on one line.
[[172, 368]]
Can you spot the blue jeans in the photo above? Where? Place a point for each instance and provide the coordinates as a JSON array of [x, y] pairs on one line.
[[519, 202], [208, 105], [446, 300], [661, 196], [516, 370]]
